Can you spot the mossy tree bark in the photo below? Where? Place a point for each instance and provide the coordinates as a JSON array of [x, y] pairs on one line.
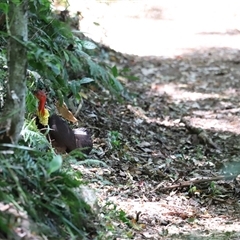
[[14, 109]]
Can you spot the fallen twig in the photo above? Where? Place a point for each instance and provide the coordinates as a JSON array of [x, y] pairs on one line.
[[194, 181]]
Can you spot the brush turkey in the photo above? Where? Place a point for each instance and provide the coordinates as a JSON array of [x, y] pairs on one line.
[[61, 135]]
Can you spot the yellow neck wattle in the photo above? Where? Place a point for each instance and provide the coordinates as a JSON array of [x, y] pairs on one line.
[[43, 116]]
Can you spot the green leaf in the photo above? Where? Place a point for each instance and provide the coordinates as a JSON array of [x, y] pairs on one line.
[[86, 80], [74, 87], [56, 68], [3, 34], [66, 56], [16, 1], [38, 53], [114, 71], [115, 84], [131, 77], [55, 164], [4, 7], [89, 45], [123, 216]]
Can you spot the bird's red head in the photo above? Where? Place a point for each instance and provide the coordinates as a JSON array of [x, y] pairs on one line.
[[41, 96]]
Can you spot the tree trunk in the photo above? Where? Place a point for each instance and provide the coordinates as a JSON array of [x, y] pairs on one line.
[[14, 109]]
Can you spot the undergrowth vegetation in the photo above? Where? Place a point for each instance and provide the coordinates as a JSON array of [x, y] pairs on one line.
[[64, 60], [50, 198], [38, 196]]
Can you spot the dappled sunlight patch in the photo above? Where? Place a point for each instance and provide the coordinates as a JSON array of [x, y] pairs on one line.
[[220, 120], [231, 92], [142, 115], [176, 92], [180, 30], [214, 124]]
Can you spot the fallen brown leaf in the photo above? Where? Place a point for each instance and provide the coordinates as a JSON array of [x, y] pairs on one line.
[[65, 113]]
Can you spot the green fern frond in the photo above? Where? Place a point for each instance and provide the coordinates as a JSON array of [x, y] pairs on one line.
[[33, 137]]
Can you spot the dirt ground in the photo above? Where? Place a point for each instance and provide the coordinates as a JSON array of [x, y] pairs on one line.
[[172, 151]]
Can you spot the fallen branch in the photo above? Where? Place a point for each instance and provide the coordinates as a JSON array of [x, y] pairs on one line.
[[194, 181]]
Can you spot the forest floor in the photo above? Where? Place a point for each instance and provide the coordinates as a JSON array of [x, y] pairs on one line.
[[172, 150]]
